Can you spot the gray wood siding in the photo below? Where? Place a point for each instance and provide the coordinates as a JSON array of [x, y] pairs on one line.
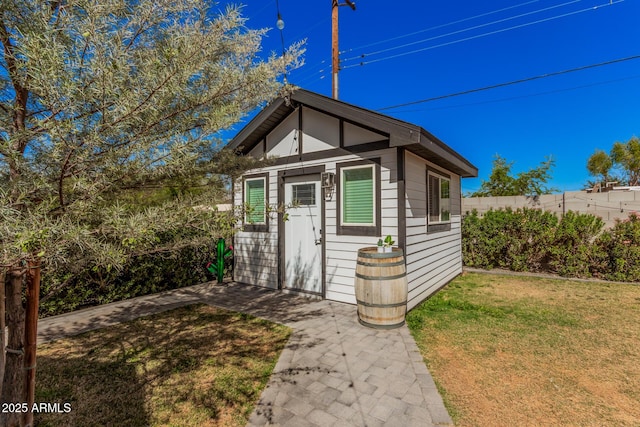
[[433, 259], [342, 250], [256, 253]]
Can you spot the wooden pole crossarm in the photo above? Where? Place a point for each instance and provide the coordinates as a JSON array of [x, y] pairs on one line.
[[349, 3]]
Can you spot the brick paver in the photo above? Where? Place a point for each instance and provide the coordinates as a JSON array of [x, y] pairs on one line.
[[333, 371]]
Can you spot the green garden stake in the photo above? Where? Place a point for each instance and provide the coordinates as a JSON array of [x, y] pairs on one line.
[[217, 268]]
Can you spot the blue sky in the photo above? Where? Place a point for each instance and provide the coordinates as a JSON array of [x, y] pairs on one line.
[[432, 49]]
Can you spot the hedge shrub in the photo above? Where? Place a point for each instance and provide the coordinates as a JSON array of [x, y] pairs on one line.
[[620, 248], [535, 240], [142, 275], [516, 240], [571, 252]]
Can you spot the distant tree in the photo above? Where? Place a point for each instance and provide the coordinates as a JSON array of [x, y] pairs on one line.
[[599, 165], [626, 156], [622, 164], [99, 98], [503, 183]]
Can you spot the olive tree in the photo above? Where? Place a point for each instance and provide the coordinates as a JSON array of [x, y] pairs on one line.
[[102, 96]]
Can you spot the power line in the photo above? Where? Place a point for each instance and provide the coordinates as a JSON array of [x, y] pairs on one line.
[[313, 71], [280, 26], [318, 75], [522, 96], [301, 35], [510, 18], [312, 74], [513, 82], [611, 3], [438, 26], [316, 68]]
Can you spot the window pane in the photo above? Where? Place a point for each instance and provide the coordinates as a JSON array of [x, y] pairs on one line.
[[439, 199], [254, 198], [434, 198], [304, 194], [357, 198], [445, 201]]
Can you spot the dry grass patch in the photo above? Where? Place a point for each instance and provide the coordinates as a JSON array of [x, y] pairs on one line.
[[194, 366], [508, 350]]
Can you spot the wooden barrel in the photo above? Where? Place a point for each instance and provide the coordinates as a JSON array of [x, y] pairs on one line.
[[381, 288]]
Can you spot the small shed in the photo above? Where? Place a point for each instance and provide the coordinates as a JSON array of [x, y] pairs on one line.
[[352, 176]]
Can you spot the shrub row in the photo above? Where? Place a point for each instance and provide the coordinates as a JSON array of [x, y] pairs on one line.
[[142, 275], [535, 240], [520, 240]]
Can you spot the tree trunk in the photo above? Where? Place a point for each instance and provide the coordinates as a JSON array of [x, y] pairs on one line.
[[3, 337], [13, 384], [31, 338]]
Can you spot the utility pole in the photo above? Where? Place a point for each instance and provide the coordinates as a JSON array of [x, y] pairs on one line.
[[335, 51]]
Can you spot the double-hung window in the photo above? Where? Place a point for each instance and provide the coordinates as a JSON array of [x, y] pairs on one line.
[[439, 199], [359, 198], [255, 196]]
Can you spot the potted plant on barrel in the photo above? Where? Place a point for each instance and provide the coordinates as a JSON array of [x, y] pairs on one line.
[[380, 246], [388, 243]]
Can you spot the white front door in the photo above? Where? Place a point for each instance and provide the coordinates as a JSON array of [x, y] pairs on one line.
[[303, 234]]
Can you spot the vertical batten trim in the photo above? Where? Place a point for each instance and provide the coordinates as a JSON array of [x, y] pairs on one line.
[[401, 198], [300, 130]]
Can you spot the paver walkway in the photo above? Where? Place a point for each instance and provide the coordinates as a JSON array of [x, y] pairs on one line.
[[333, 371]]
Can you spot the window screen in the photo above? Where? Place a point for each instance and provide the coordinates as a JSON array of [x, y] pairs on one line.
[[304, 194], [254, 198], [439, 199], [445, 201], [358, 196]]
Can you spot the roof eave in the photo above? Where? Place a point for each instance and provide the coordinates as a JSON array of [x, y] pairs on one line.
[[401, 134], [431, 148], [256, 124]]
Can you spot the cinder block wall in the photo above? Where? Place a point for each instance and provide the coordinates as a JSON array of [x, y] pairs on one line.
[[609, 206]]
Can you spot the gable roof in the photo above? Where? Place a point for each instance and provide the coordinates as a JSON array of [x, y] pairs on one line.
[[401, 134]]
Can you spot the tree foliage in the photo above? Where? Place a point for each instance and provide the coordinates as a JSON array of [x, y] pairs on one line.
[[599, 165], [626, 155], [624, 159], [99, 97], [502, 182]]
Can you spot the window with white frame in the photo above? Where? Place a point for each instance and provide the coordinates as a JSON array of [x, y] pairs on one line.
[[358, 196], [439, 199], [304, 194], [254, 199]]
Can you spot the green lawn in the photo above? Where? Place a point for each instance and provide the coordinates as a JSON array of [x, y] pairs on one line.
[[194, 366], [511, 350]]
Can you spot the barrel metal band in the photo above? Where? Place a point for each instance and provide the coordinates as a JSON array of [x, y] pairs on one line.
[[397, 276], [386, 264], [395, 304], [373, 325], [381, 255]]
